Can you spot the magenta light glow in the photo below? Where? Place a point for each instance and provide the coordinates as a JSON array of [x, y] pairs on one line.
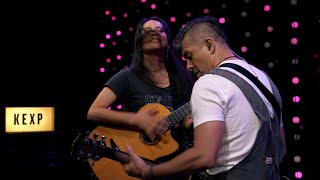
[[222, 20], [294, 41], [298, 175], [270, 29], [173, 19], [267, 8], [119, 107], [153, 6], [295, 120], [294, 25], [295, 80], [296, 99], [206, 11], [244, 49]]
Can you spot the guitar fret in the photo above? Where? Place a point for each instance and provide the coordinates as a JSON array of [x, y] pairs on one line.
[[179, 114]]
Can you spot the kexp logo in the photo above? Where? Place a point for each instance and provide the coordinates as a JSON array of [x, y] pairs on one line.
[[29, 119]]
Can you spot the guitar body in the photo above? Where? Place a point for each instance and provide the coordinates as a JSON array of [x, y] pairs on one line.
[[108, 169]]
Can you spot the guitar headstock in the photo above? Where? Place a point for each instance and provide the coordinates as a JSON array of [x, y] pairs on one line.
[[84, 148]]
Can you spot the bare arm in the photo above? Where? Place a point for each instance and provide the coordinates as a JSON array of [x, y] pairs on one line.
[[145, 120], [99, 111], [202, 155]]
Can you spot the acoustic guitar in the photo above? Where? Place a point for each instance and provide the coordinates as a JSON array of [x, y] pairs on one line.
[[84, 148], [119, 138]]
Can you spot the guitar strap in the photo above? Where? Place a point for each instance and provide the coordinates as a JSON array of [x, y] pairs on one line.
[[271, 98], [274, 100]]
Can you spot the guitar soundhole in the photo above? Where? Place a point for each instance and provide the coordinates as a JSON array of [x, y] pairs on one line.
[[145, 139]]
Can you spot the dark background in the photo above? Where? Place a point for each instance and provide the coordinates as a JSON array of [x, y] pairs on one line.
[[50, 57]]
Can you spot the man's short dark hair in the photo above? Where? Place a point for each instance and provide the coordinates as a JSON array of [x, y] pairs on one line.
[[199, 28]]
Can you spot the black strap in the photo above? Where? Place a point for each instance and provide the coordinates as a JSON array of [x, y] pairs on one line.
[[255, 80]]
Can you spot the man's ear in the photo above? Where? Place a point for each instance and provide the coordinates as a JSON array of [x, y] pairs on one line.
[[208, 44]]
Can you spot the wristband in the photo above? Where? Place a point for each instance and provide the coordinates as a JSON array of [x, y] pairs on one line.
[[149, 174]]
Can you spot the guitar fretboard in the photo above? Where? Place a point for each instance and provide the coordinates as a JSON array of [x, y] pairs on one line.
[[180, 113]]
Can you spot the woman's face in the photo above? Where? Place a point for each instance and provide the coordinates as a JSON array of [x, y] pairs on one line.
[[155, 37]]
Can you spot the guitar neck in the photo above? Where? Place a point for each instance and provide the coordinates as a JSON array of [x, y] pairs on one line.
[[179, 114]]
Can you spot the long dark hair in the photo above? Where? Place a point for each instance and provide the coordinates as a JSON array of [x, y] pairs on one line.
[[180, 79]]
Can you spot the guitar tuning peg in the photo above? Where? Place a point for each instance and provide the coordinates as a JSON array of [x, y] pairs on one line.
[[81, 156], [87, 133], [102, 143], [95, 136], [94, 143], [89, 155], [86, 140], [97, 157]]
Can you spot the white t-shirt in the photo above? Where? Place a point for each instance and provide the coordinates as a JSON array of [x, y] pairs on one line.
[[215, 98]]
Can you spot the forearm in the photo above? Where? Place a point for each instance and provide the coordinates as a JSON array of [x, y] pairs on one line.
[[202, 155], [187, 163], [110, 117]]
